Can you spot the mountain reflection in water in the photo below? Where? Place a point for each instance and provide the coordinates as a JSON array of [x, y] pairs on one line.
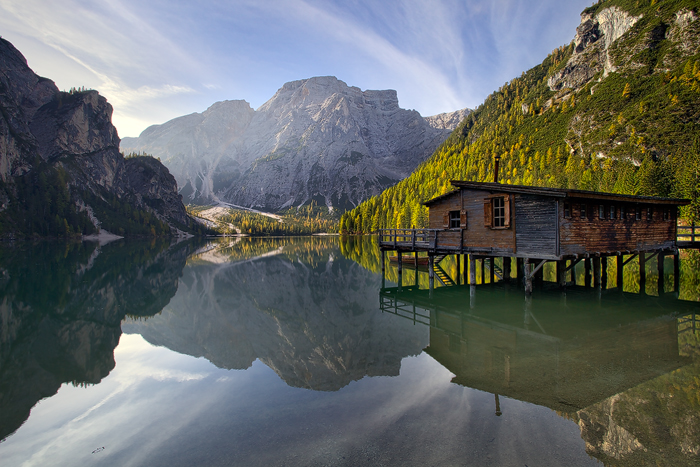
[[489, 378]]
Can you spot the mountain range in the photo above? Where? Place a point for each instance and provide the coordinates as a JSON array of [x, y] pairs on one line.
[[316, 140]]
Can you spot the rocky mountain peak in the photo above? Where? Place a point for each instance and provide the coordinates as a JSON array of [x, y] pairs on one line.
[[594, 38], [316, 139]]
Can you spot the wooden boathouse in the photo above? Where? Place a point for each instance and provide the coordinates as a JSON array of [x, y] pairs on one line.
[[535, 225]]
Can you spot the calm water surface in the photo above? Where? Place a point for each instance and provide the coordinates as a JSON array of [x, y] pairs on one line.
[[298, 352]]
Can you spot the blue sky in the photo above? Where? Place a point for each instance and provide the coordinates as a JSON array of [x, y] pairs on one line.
[[155, 60]]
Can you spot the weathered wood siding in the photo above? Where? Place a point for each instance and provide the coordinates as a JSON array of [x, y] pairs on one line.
[[594, 235], [535, 224], [477, 236]]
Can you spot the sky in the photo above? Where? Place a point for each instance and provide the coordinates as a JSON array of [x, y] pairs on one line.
[[155, 60]]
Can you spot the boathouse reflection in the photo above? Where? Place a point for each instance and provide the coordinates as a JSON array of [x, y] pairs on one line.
[[575, 352]]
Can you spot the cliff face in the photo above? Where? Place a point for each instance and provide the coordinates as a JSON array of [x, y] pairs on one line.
[[315, 139], [45, 130]]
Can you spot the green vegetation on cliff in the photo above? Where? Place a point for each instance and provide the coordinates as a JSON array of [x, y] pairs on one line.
[[632, 127]]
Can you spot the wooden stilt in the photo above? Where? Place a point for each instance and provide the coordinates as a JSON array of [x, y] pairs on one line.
[[596, 271], [660, 268], [587, 272], [561, 277], [604, 272], [399, 258], [431, 271], [528, 277], [620, 270], [492, 270], [481, 270], [458, 270], [383, 261], [642, 273], [472, 270], [676, 273]]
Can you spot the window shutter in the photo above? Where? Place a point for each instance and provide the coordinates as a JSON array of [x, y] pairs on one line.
[[446, 220], [506, 202], [488, 213], [463, 219]]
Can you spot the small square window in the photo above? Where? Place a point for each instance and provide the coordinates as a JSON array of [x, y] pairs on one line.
[[601, 211], [637, 213], [583, 211], [623, 213], [454, 220], [650, 213], [612, 212]]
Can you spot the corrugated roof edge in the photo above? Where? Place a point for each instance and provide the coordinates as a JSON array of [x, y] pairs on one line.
[[556, 193]]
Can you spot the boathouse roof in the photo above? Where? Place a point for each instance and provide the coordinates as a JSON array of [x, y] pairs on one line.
[[555, 193]]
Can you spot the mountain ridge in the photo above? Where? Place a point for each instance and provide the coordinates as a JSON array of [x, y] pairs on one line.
[[315, 139]]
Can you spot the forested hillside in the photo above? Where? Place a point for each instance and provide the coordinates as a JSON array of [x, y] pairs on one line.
[[617, 110]]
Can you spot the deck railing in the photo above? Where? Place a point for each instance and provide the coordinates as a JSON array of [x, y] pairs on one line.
[[688, 233], [421, 238]]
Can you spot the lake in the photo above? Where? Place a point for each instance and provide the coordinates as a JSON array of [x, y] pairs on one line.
[[298, 351]]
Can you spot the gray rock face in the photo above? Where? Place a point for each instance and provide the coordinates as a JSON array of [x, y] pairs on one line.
[[594, 38], [447, 120], [315, 139], [45, 127]]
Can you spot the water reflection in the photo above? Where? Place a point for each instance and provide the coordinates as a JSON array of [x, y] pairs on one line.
[[294, 304], [619, 365], [61, 309]]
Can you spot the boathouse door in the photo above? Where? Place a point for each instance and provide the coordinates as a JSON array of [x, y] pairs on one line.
[[535, 225]]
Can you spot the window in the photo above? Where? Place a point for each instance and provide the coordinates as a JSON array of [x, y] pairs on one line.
[[622, 213], [567, 210], [612, 212], [499, 212], [666, 214], [637, 213], [454, 219], [601, 211], [583, 211], [650, 213]]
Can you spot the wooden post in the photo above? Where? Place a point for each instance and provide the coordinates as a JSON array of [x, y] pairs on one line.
[[620, 270], [481, 270], [492, 270], [539, 276], [561, 277], [587, 272], [399, 257], [383, 259], [642, 273], [676, 273], [604, 272], [507, 260], [596, 271], [528, 277], [572, 272], [458, 270], [431, 271], [472, 270], [660, 268]]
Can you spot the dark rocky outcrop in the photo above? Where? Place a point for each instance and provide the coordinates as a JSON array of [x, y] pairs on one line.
[[43, 129]]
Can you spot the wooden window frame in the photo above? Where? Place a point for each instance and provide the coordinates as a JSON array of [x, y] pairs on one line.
[[612, 211], [489, 211], [650, 213], [583, 211], [601, 212], [454, 218], [638, 213], [567, 210]]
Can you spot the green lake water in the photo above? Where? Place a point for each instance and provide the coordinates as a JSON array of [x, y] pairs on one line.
[[297, 351]]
